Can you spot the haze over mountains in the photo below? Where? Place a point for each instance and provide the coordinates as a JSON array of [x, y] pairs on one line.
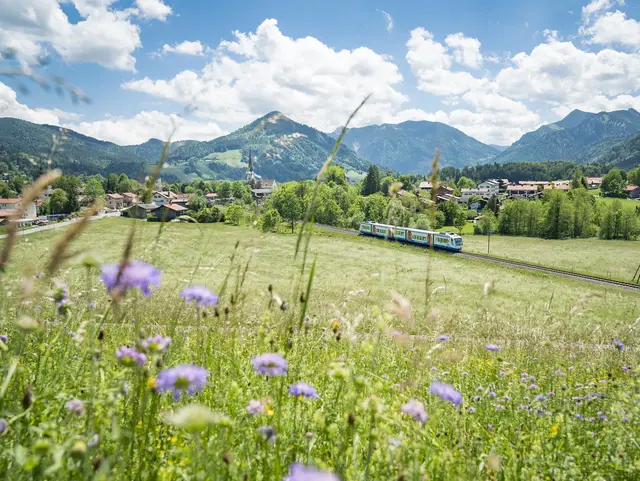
[[287, 150]]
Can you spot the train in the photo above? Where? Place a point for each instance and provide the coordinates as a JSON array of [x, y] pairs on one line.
[[440, 240]]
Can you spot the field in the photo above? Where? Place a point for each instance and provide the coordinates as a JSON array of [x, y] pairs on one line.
[[556, 401], [604, 258], [609, 200]]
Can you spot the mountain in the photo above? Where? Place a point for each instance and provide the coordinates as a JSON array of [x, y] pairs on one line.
[[410, 146], [281, 148], [499, 148], [625, 154], [580, 136]]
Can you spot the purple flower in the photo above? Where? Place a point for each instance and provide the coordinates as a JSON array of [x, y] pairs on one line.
[[492, 394], [302, 389], [190, 378], [446, 392], [618, 345], [255, 407], [76, 406], [578, 416], [415, 409], [443, 338], [476, 398], [492, 347], [268, 433], [533, 386], [135, 274], [299, 472], [502, 374], [200, 294], [4, 339], [129, 357], [490, 427], [92, 305], [541, 398], [156, 344], [471, 409], [624, 368], [270, 364], [61, 298]]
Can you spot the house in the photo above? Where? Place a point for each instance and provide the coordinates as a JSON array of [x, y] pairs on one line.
[[262, 188], [522, 190], [129, 198], [181, 199], [427, 187], [163, 197], [115, 201], [558, 186], [12, 205], [447, 197], [211, 198], [139, 211], [478, 205], [466, 194], [594, 182], [633, 191], [168, 212], [491, 185]]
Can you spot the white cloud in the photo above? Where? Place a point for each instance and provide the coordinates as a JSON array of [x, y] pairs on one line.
[[185, 48], [10, 107], [389, 20], [301, 77], [103, 35], [147, 125], [614, 28], [597, 6], [154, 9], [466, 50]]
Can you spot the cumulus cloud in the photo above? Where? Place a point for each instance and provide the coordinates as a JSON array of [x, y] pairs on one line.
[[389, 21], [466, 50], [154, 9], [614, 28], [103, 35], [11, 107], [147, 125], [266, 70], [185, 48]]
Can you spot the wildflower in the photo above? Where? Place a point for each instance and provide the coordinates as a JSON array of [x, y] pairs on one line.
[[499, 407], [471, 409], [299, 472], [476, 398], [618, 345], [443, 338], [415, 409], [182, 378], [200, 294], [270, 364], [492, 394], [129, 357], [92, 305], [134, 274], [502, 374], [268, 433], [602, 416], [3, 425], [554, 430], [156, 344], [255, 407], [541, 398], [492, 347], [579, 416], [434, 369], [195, 417], [446, 392], [76, 406], [533, 386], [303, 390], [5, 339], [624, 368], [490, 427]]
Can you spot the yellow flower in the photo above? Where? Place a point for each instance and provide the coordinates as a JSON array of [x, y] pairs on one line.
[[170, 463], [554, 430], [269, 412], [174, 440], [151, 383], [335, 325], [455, 454], [139, 423]]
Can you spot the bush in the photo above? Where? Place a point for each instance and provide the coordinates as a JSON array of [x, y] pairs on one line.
[[270, 220], [234, 214], [209, 215]]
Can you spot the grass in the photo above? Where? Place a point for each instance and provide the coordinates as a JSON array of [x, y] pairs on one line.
[[604, 258], [233, 158], [533, 410], [467, 229], [609, 200]]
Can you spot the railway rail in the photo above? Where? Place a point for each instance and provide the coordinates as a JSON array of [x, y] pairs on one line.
[[517, 264]]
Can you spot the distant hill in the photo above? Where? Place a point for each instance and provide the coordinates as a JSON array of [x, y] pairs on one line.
[[499, 148], [581, 136], [281, 148], [410, 146], [625, 154]]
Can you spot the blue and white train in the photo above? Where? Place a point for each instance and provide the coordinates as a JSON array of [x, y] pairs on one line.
[[440, 240]]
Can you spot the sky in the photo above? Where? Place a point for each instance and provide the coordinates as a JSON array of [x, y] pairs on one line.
[[198, 69]]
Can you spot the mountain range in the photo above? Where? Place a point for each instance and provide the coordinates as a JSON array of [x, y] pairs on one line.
[[287, 150]]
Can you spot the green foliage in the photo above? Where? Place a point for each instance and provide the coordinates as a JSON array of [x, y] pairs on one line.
[[488, 223], [287, 202], [234, 214], [465, 183], [633, 176], [614, 183], [371, 183], [93, 189], [270, 220], [208, 215], [618, 222], [224, 190], [58, 201], [374, 207], [197, 202], [336, 174], [558, 219]]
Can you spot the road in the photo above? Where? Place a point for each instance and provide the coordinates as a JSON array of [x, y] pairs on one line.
[[57, 225]]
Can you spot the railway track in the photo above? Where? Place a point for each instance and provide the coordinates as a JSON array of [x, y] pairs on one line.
[[517, 264]]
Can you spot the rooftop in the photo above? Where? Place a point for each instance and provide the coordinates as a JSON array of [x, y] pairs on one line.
[[10, 201]]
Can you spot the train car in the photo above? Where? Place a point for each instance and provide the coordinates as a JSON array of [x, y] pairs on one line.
[[439, 240]]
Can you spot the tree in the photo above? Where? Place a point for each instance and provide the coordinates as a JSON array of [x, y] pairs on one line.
[[93, 189], [613, 184], [238, 189], [197, 202], [58, 201], [234, 214], [270, 220], [558, 215], [487, 223], [578, 181], [336, 174], [124, 184], [288, 203], [465, 183], [111, 184], [633, 176], [494, 205], [209, 215], [460, 220], [374, 207], [224, 190], [371, 181]]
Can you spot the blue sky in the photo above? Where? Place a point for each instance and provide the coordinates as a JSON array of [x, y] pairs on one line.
[[493, 69]]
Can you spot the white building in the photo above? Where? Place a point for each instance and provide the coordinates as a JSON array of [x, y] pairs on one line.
[[11, 205], [491, 185], [466, 194]]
